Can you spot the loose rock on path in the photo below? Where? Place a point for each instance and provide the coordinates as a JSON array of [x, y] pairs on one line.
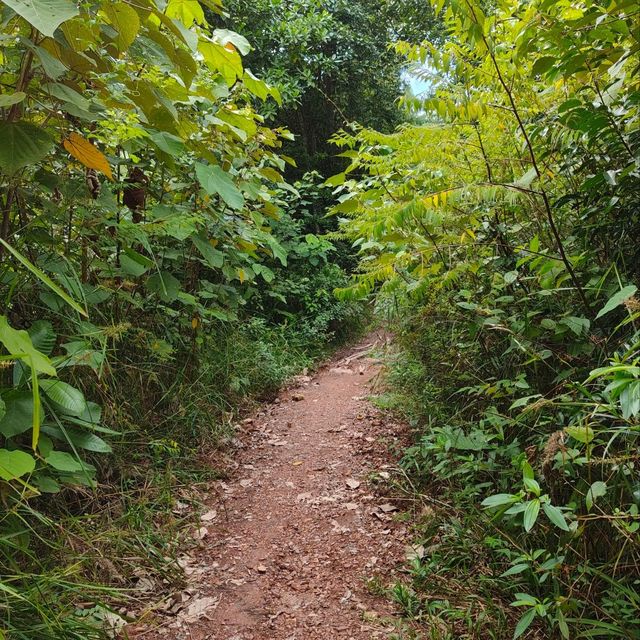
[[289, 549]]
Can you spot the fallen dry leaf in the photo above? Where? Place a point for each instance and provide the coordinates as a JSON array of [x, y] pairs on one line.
[[198, 607], [210, 515]]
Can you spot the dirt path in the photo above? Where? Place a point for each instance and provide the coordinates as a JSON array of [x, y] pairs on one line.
[[287, 552]]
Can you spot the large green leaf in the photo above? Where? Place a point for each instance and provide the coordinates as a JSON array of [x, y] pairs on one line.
[[79, 439], [22, 144], [214, 258], [215, 180], [15, 464], [555, 516], [8, 99], [165, 285], [596, 490], [18, 343], [168, 143], [125, 21], [63, 461], [226, 61], [187, 11], [18, 416], [43, 338], [45, 15], [70, 399], [226, 37], [617, 299]]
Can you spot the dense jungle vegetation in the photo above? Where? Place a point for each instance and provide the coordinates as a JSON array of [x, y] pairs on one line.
[[198, 201]]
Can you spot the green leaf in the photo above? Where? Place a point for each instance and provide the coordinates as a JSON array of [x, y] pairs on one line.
[[45, 15], [18, 343], [630, 400], [68, 397], [336, 180], [531, 514], [216, 181], [3, 409], [218, 58], [52, 66], [131, 266], [43, 336], [577, 325], [18, 416], [563, 626], [15, 464], [542, 65], [499, 500], [278, 250], [532, 485], [617, 299], [255, 85], [79, 439], [516, 569], [168, 143], [187, 11], [66, 94], [524, 623], [214, 258], [125, 21], [524, 600], [22, 144], [92, 413], [582, 433], [8, 99], [165, 285], [46, 484], [44, 278], [555, 515], [596, 490], [63, 461]]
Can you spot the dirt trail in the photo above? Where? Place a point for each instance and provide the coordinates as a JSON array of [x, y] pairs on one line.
[[288, 547]]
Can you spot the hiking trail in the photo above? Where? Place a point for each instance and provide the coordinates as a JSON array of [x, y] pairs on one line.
[[295, 533]]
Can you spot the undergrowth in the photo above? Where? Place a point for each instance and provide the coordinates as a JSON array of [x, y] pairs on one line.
[[467, 565]]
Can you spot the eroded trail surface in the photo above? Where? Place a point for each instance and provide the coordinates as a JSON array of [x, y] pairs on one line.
[[295, 534]]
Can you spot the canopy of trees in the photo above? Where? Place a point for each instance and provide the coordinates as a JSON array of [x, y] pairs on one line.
[[332, 63]]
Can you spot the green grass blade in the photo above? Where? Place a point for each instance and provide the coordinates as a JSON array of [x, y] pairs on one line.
[[44, 278]]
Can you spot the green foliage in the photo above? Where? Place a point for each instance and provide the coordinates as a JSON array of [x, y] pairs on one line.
[[331, 62], [503, 230]]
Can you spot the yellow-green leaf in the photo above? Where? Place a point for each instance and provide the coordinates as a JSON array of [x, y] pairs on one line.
[[125, 21], [187, 11]]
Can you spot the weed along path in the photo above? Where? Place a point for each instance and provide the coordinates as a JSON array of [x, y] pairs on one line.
[[298, 535]]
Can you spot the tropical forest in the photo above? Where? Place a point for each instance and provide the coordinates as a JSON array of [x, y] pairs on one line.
[[319, 319]]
